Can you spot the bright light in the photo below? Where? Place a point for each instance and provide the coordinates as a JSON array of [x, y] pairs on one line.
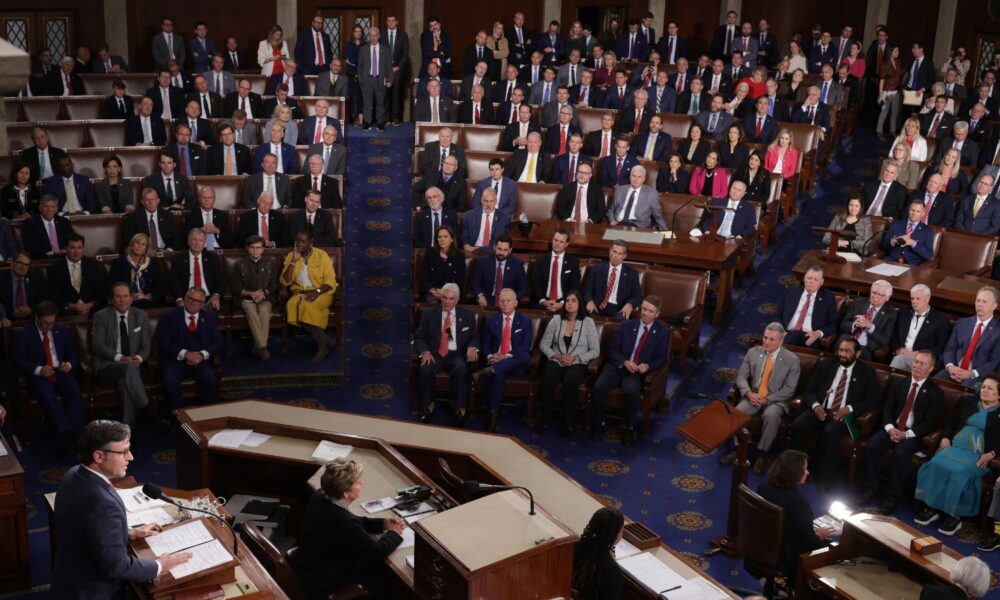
[[839, 510]]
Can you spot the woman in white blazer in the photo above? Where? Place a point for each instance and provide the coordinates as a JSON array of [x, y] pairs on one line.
[[272, 52]]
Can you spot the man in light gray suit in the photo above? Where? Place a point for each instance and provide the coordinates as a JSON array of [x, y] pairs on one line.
[[245, 129], [334, 155], [120, 341], [334, 83], [219, 79], [637, 204], [766, 383], [375, 76], [167, 46], [834, 91], [715, 121]]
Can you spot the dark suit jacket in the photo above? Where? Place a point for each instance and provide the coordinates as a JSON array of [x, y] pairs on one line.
[[925, 75], [654, 353], [944, 128], [183, 190], [456, 191], [110, 109], [243, 63], [276, 228], [485, 275], [472, 221], [986, 357], [499, 93], [30, 157], [597, 206], [521, 336], [612, 100], [629, 290], [800, 115], [824, 310], [200, 58], [35, 238], [446, 110], [215, 104], [662, 147], [519, 161], [289, 158], [180, 273], [423, 237], [298, 83], [925, 408], [595, 95], [487, 116], [744, 221], [96, 66], [862, 393], [894, 203], [471, 57], [561, 171], [541, 270], [550, 143], [680, 50], [217, 160], [324, 234], [173, 332], [34, 290], [640, 49], [54, 83], [93, 285], [885, 323], [431, 159], [233, 102], [942, 211], [308, 129], [609, 170], [193, 219], [986, 221], [683, 105], [681, 186], [935, 329], [93, 560], [328, 189], [428, 335], [626, 121], [818, 58], [668, 99], [969, 152], [196, 156], [508, 193], [31, 353], [84, 191], [918, 254], [137, 222], [942, 592], [511, 132], [133, 130], [798, 535], [768, 132], [176, 101], [445, 87]]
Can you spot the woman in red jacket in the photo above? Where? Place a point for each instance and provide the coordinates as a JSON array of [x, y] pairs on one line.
[[781, 157]]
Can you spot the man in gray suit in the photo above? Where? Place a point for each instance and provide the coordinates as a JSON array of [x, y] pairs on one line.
[[766, 382], [334, 83], [334, 154], [167, 46], [871, 321], [220, 81], [637, 204], [375, 75], [715, 121], [120, 341], [834, 95], [268, 180], [244, 129]]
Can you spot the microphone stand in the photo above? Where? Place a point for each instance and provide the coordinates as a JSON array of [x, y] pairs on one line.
[[473, 487], [673, 218]]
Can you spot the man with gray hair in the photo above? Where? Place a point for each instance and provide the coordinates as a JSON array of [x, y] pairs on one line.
[[62, 81], [970, 577], [871, 321], [973, 350], [959, 140], [375, 76], [189, 338], [920, 327], [637, 204], [765, 384]]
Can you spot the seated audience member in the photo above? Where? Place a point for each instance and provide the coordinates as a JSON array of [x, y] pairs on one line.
[[204, 94], [564, 166], [430, 217], [265, 221], [909, 412], [569, 344], [980, 130], [852, 220], [308, 273], [333, 155], [939, 209], [281, 98], [970, 578], [980, 212], [972, 350], [871, 321], [114, 193], [782, 158], [313, 180], [498, 272], [144, 128], [254, 282], [189, 337], [189, 158], [765, 384], [594, 566], [313, 215], [949, 486], [968, 149], [19, 199], [887, 196], [760, 127], [436, 106], [201, 128], [215, 223], [530, 165], [452, 185], [921, 327], [510, 111], [612, 289], [446, 339], [433, 74], [313, 130], [120, 342], [696, 148], [46, 233], [119, 105], [639, 347], [442, 264], [505, 187], [808, 312], [76, 285], [244, 131], [654, 144], [733, 153], [515, 133], [42, 157], [909, 168], [709, 179], [618, 95], [476, 110], [506, 348], [73, 191], [813, 112], [582, 200], [46, 358], [601, 142], [799, 535], [615, 169], [757, 180], [481, 226], [715, 121], [637, 204], [737, 221], [286, 159], [268, 180], [548, 290], [228, 157], [246, 100], [838, 388], [544, 91], [675, 179], [503, 91], [174, 189], [662, 96], [435, 152], [336, 547], [21, 287], [143, 273], [153, 221], [909, 241], [196, 268], [586, 94]]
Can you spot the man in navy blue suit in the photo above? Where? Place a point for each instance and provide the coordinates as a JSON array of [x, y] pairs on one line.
[[973, 350], [760, 128], [980, 211], [93, 560], [632, 45], [738, 221], [497, 272], [808, 311], [189, 336], [504, 187], [612, 289], [557, 136], [813, 111], [45, 358], [564, 166], [480, 226], [552, 45], [639, 347], [291, 77], [507, 350], [939, 208], [619, 95], [823, 53], [654, 144], [909, 241], [313, 51], [288, 159], [145, 128], [615, 169]]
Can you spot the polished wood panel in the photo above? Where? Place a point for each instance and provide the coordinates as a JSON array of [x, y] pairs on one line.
[[87, 19], [914, 21], [788, 17], [463, 19], [696, 22], [15, 565], [972, 22]]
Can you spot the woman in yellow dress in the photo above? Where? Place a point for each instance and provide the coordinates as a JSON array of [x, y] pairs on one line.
[[308, 272]]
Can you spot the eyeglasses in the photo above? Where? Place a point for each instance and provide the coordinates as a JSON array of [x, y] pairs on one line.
[[126, 451], [193, 300]]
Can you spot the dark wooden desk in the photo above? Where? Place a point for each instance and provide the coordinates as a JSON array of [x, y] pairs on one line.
[[587, 239], [15, 565]]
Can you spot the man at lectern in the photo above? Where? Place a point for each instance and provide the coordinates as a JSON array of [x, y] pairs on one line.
[[93, 560]]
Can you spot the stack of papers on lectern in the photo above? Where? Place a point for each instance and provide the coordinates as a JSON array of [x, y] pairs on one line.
[[203, 556], [179, 538], [234, 438], [888, 270], [136, 501], [652, 573], [327, 451]]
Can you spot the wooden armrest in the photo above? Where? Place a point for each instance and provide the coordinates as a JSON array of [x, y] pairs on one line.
[[931, 441], [867, 423]]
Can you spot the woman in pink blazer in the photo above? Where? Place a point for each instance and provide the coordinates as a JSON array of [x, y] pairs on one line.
[[710, 179], [781, 157]]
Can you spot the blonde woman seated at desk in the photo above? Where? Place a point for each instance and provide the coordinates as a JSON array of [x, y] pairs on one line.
[[309, 273], [854, 221]]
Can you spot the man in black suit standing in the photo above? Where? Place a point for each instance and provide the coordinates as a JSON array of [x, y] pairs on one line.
[[808, 312], [227, 157], [234, 59], [399, 50], [447, 339], [155, 222], [582, 200], [46, 233], [838, 388], [923, 327], [724, 36], [521, 41], [42, 158], [76, 285], [886, 197], [554, 274], [871, 321], [215, 223]]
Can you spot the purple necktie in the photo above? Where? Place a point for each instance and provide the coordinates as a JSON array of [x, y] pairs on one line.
[[374, 61]]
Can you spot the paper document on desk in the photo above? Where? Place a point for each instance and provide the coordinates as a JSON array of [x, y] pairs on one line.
[[136, 501], [850, 257], [411, 560], [327, 451], [152, 515], [651, 572], [3, 450], [695, 589], [408, 538], [623, 549], [374, 506], [255, 439], [888, 270], [229, 438], [204, 556], [179, 538], [414, 518]]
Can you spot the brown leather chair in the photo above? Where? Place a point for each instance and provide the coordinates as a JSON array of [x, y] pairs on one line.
[[652, 171], [590, 118], [228, 189], [102, 232], [477, 163], [107, 133], [428, 132], [68, 135], [138, 162], [689, 217], [767, 226], [12, 108], [966, 253], [83, 108], [100, 83], [482, 138], [41, 108], [677, 125], [537, 201], [308, 103], [273, 561], [6, 164], [257, 82], [805, 139], [19, 136], [682, 294], [89, 162], [759, 535]]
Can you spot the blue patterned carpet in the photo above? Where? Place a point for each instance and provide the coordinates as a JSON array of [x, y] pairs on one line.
[[662, 481]]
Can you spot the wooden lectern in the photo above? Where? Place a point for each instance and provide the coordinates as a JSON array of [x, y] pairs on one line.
[[492, 548], [212, 577], [834, 246], [710, 428]]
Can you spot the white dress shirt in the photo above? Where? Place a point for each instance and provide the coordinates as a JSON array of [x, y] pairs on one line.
[[807, 324]]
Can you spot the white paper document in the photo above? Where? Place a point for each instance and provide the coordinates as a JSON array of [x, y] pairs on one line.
[[229, 438], [374, 506], [255, 439], [650, 572], [888, 270], [411, 560], [624, 549], [136, 501], [3, 450], [419, 509], [408, 538], [327, 451], [152, 515], [179, 538], [414, 518], [696, 589], [205, 556]]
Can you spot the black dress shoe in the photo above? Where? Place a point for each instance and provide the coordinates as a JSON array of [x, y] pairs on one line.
[[365, 127], [727, 458], [381, 126], [425, 417], [628, 437], [487, 372]]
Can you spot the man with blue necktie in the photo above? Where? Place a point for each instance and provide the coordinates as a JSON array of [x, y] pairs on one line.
[[909, 241]]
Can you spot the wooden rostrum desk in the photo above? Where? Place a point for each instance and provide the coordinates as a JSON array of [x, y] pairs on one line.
[[394, 454]]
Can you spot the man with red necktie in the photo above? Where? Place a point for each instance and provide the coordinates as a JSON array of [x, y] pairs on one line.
[[507, 349], [189, 338], [555, 274], [197, 268], [972, 351]]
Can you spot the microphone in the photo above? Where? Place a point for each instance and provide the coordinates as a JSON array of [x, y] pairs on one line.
[[673, 217], [523, 218], [153, 491], [474, 487]]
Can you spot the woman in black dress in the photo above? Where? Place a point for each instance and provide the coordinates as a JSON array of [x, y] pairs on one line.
[[694, 149], [733, 154], [19, 199], [596, 575], [757, 178], [442, 264], [675, 179]]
